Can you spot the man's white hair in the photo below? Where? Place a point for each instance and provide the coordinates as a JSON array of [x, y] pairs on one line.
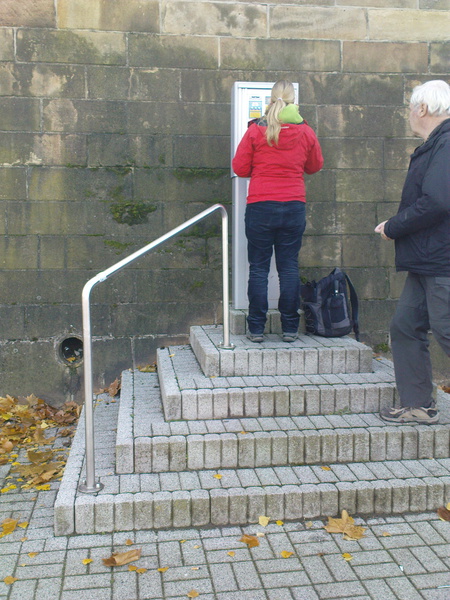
[[435, 94]]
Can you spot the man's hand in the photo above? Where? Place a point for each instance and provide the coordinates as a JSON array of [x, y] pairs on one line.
[[380, 229]]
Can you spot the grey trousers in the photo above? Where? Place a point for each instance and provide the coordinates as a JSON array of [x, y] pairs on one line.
[[423, 305]]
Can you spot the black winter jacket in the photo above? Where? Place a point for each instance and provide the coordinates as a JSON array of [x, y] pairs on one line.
[[421, 228]]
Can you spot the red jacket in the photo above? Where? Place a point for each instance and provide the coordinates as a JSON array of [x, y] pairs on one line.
[[276, 171]]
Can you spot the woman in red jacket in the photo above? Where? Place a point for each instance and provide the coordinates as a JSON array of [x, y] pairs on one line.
[[275, 152]]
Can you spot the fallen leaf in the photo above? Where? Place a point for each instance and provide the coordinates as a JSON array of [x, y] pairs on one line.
[[148, 368], [346, 526], [10, 580], [193, 594], [196, 546], [264, 521], [347, 556], [309, 524], [195, 568], [132, 568], [250, 540], [33, 554], [286, 554], [326, 468], [162, 569], [39, 457], [8, 526], [443, 513], [85, 561], [23, 525], [279, 523], [122, 558], [182, 541], [386, 534], [141, 570], [128, 542], [231, 553], [218, 476], [260, 534]]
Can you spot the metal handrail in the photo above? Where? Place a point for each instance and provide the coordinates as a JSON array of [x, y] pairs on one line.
[[90, 485]]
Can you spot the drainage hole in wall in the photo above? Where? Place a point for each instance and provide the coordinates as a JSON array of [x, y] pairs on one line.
[[71, 351]]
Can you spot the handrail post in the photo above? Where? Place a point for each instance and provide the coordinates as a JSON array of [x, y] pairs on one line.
[[225, 344], [90, 485]]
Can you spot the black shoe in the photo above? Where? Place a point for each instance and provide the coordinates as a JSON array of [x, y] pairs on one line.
[[289, 337], [255, 337]]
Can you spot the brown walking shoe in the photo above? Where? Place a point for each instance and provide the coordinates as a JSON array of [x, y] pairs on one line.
[[409, 414]]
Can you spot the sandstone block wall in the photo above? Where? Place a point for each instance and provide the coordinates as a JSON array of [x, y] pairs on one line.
[[114, 125]]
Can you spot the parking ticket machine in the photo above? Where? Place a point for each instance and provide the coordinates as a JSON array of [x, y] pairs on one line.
[[249, 101]]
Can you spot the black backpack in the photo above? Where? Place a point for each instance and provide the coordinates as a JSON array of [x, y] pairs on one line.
[[326, 306]]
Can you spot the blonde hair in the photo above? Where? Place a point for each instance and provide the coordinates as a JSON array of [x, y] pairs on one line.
[[283, 93]]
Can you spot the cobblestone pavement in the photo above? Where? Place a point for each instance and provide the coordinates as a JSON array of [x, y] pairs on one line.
[[405, 558]]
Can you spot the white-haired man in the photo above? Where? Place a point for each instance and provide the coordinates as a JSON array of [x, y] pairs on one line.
[[421, 230]]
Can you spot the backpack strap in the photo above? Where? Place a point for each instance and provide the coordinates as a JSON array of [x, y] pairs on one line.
[[355, 307]]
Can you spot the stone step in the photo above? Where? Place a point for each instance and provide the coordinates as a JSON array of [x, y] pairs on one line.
[[146, 443], [190, 395], [238, 496], [384, 485], [199, 500], [309, 355]]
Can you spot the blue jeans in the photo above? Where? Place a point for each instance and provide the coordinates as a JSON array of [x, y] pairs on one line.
[[274, 225]]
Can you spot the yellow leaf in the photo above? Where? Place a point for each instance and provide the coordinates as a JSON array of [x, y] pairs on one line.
[[128, 543], [218, 476], [386, 534], [132, 568], [193, 594], [86, 561], [45, 487], [23, 525], [141, 570], [448, 506], [250, 540], [326, 468], [24, 539], [280, 523], [286, 554], [243, 432], [8, 526], [162, 569], [182, 541], [260, 534], [347, 556], [195, 568], [196, 546], [264, 521], [10, 580], [309, 524], [33, 554], [231, 553]]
